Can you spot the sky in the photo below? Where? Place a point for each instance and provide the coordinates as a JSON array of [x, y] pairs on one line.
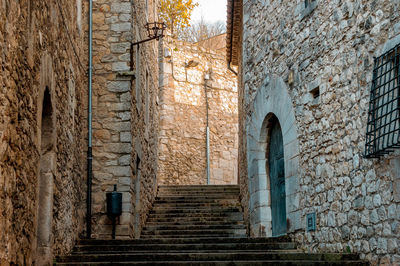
[[211, 10]]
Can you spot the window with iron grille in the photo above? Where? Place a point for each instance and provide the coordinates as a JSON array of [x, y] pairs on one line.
[[383, 128]]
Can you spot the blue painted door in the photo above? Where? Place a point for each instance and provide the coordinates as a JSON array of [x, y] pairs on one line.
[[277, 181]]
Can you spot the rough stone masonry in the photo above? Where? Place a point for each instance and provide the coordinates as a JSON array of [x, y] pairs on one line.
[[42, 129], [310, 64], [43, 122]]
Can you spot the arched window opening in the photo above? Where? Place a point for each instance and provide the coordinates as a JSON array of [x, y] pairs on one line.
[[47, 125]]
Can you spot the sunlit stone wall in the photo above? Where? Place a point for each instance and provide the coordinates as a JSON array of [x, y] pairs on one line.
[[193, 75]]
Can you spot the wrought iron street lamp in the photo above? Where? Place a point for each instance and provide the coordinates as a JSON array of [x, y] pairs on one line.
[[155, 30]]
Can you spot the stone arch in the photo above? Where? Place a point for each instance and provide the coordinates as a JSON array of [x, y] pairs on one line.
[[271, 100], [46, 166]]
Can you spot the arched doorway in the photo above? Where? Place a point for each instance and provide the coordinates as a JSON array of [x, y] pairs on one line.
[[45, 181], [273, 112], [276, 166]]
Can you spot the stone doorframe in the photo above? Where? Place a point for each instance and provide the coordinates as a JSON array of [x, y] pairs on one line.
[[45, 144], [272, 99]]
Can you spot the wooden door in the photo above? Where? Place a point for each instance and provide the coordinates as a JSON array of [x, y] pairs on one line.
[[277, 181]]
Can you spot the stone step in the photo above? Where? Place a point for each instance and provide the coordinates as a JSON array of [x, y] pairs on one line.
[[201, 236], [215, 240], [227, 216], [157, 209], [208, 256], [193, 212], [198, 187], [225, 263], [203, 190], [191, 199], [196, 213], [181, 205], [191, 227], [182, 232], [175, 251], [194, 199], [164, 222], [185, 247], [188, 216], [198, 190], [167, 222], [199, 195], [194, 194], [195, 206]]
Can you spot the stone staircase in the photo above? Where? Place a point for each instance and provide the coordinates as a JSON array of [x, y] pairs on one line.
[[195, 212], [198, 225]]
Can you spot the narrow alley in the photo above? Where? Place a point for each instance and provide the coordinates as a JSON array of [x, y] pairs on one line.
[[199, 132]]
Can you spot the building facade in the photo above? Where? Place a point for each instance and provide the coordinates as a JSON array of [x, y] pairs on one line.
[[125, 113], [43, 123], [313, 82], [197, 92]]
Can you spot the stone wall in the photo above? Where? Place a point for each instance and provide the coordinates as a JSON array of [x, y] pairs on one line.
[[42, 75], [188, 71], [327, 46], [120, 101], [216, 43], [145, 116]]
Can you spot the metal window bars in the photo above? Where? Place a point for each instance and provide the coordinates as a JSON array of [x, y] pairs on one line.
[[383, 128]]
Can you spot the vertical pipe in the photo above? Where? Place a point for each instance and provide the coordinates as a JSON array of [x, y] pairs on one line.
[[231, 39], [208, 155], [113, 227], [207, 134], [89, 152], [137, 198]]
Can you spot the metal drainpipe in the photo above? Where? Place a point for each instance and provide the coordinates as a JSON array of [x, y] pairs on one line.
[[208, 155], [207, 135], [231, 39], [231, 69], [89, 152]]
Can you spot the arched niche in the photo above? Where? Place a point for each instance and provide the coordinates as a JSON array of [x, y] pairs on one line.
[[46, 142]]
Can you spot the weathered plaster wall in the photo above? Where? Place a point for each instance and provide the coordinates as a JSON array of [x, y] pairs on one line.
[[36, 51], [183, 116], [330, 46], [120, 101]]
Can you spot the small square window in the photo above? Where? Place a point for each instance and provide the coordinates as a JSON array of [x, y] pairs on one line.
[[315, 95], [311, 222]]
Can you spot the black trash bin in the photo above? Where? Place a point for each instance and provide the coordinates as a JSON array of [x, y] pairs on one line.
[[114, 207]]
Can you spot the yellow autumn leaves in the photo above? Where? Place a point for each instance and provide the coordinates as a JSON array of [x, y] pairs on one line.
[[176, 13]]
